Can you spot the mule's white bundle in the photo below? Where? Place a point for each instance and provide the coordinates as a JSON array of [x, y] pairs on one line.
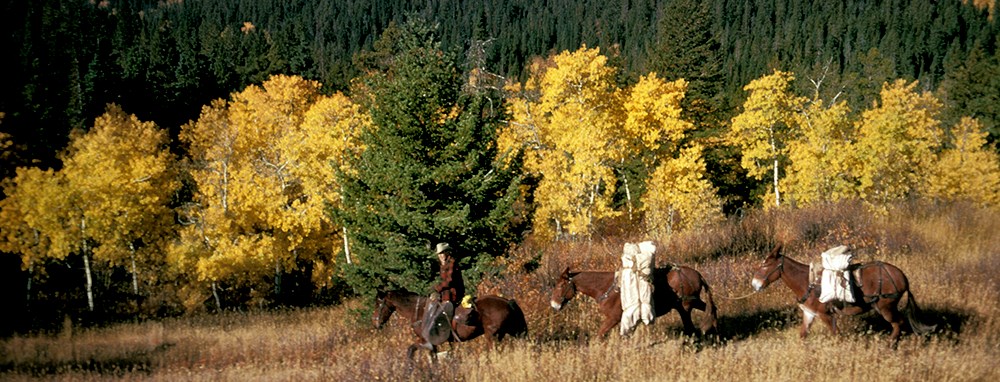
[[835, 280], [636, 285]]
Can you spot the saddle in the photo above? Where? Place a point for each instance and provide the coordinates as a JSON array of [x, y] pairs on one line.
[[435, 327]]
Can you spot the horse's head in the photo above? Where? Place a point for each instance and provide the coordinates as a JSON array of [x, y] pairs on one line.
[[564, 291], [770, 269], [383, 309]]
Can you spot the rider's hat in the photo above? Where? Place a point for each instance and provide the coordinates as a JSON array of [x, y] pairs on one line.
[[441, 248]]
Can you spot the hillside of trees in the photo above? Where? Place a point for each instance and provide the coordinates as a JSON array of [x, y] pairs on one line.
[[163, 157], [163, 60]]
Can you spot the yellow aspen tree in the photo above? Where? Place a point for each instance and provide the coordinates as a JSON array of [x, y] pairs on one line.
[[679, 196], [574, 122], [896, 142], [653, 125], [122, 174], [265, 164], [819, 156], [39, 219], [22, 213], [766, 124], [968, 170], [329, 135]]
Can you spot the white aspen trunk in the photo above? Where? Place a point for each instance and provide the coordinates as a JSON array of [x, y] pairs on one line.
[[90, 282], [86, 264], [277, 279], [777, 194], [347, 247], [215, 294], [670, 221], [135, 282], [774, 149], [590, 211], [31, 276], [225, 186], [628, 197]]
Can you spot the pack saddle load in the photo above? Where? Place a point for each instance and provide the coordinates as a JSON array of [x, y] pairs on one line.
[[636, 285], [835, 280]]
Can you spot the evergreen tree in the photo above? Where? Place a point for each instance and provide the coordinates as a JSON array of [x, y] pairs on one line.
[[687, 48], [430, 171]]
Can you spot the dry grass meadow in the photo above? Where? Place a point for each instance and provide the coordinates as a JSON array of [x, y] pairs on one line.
[[951, 255]]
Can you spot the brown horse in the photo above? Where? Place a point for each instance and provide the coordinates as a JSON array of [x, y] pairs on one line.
[[674, 288], [877, 285], [492, 315]]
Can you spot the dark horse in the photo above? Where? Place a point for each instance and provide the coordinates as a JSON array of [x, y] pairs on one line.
[[494, 316], [677, 287], [876, 285]]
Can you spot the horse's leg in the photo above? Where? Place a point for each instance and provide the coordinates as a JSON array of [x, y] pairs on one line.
[[891, 314], [609, 322], [684, 310], [612, 311], [830, 321]]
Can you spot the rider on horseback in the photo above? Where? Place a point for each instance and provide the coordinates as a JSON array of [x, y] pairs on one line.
[[447, 293]]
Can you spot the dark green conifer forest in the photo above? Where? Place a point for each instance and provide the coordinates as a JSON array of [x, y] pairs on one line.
[[163, 60]]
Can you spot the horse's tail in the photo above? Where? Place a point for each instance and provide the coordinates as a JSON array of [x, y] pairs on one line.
[[912, 310], [710, 323], [518, 326]]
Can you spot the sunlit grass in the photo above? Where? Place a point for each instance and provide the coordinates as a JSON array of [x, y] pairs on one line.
[[952, 266]]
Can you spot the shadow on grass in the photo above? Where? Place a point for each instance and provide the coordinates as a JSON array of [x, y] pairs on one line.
[[742, 325], [948, 323], [131, 363]]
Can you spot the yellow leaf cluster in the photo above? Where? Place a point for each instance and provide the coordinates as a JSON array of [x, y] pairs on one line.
[[566, 118], [897, 139], [265, 165], [576, 125], [120, 175], [968, 170], [679, 196], [820, 156], [33, 216], [765, 124]]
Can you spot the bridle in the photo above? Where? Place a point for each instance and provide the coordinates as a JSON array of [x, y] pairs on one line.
[[569, 281], [601, 298], [780, 268]]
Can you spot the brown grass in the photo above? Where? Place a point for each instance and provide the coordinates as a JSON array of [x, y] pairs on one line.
[[951, 255]]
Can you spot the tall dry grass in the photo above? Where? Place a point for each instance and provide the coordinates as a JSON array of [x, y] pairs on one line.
[[950, 253]]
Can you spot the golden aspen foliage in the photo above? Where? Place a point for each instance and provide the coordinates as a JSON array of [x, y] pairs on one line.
[[123, 174], [570, 114], [33, 216], [819, 157], [896, 142], [578, 130], [764, 127], [109, 199], [679, 196], [329, 135], [968, 170], [653, 116], [264, 164]]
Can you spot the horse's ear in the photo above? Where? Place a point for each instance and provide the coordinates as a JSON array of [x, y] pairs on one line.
[[565, 273], [776, 252]]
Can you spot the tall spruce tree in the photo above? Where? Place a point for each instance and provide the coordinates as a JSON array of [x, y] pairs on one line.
[[430, 171]]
